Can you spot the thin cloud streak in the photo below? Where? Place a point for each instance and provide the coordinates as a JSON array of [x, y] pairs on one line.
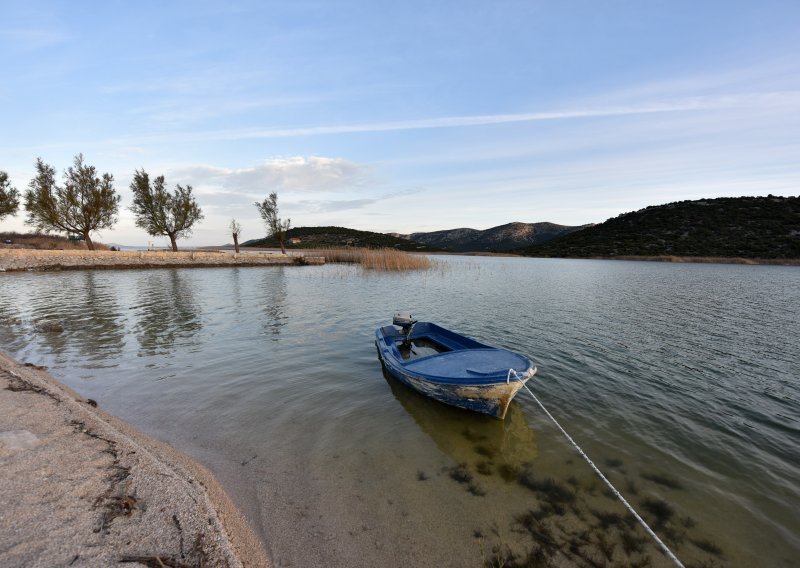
[[791, 98]]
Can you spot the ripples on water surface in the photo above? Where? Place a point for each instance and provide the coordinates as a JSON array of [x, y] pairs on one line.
[[681, 381]]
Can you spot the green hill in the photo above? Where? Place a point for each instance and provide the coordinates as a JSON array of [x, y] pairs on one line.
[[323, 237], [740, 227]]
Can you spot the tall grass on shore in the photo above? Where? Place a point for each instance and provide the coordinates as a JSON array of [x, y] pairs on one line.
[[384, 259]]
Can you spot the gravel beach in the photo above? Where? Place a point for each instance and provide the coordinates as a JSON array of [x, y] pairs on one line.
[[79, 487]]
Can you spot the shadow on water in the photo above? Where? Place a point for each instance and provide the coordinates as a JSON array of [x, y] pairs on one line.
[[168, 313], [492, 446]]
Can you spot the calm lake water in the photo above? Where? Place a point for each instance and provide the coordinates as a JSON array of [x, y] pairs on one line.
[[680, 381]]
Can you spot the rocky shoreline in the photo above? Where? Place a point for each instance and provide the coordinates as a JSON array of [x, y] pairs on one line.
[[82, 488], [12, 260]]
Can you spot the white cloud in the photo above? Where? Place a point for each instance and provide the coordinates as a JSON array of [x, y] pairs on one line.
[[292, 174], [330, 206]]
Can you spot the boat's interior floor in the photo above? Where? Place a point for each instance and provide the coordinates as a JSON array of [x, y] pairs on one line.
[[420, 347]]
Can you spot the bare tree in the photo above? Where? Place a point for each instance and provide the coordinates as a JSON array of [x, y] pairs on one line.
[[84, 204], [160, 212], [236, 230], [9, 197], [276, 228]]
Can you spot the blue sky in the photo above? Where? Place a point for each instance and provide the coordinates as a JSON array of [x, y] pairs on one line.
[[407, 116]]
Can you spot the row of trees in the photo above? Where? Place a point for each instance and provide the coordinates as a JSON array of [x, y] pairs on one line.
[[87, 202]]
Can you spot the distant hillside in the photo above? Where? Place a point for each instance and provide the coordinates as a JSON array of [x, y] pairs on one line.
[[503, 238], [321, 237], [744, 227]]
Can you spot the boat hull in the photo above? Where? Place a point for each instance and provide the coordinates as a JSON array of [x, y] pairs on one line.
[[492, 399]]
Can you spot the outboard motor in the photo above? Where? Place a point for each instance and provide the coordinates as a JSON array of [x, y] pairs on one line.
[[406, 324]]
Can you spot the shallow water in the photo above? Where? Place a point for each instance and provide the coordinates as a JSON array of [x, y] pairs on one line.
[[680, 381]]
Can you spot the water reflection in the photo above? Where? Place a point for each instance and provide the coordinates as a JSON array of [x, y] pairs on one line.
[[52, 312], [9, 315], [236, 286], [490, 445], [273, 301], [82, 312], [99, 333], [168, 313]]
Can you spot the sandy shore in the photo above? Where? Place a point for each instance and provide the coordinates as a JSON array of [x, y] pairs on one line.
[[79, 487]]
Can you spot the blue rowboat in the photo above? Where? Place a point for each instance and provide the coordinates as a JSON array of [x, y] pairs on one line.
[[450, 367]]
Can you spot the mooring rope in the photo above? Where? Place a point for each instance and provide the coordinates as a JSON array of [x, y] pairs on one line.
[[628, 506]]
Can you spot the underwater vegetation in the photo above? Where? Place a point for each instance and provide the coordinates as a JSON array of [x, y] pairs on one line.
[[663, 480], [485, 451], [570, 521], [660, 511], [707, 546], [473, 436], [552, 490], [509, 473], [460, 473]]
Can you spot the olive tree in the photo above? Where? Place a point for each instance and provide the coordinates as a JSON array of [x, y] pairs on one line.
[[160, 212], [276, 227], [9, 197], [85, 202], [236, 230]]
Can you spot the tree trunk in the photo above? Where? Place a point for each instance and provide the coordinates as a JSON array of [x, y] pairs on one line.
[[236, 242], [88, 240], [174, 243], [283, 248]]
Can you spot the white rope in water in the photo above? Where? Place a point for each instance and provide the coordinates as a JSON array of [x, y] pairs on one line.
[[628, 506]]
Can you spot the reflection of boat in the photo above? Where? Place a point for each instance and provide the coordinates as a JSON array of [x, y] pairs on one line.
[[468, 437], [452, 368]]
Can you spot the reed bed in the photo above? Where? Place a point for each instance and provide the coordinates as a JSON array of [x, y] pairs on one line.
[[383, 259]]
